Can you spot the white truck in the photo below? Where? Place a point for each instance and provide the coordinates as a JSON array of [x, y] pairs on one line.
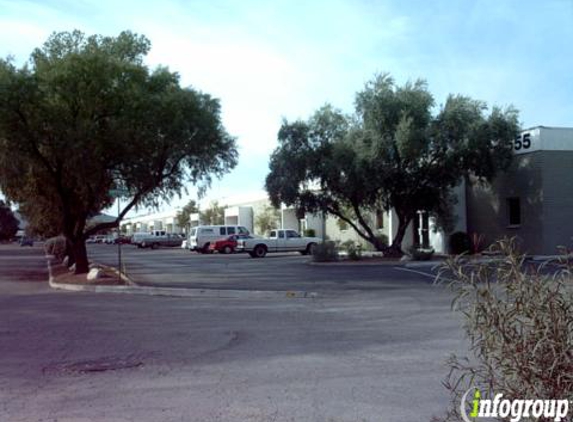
[[156, 238], [278, 241]]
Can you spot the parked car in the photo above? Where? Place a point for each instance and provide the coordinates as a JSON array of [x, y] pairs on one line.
[[278, 241], [122, 239], [26, 241], [229, 244], [201, 237], [155, 239]]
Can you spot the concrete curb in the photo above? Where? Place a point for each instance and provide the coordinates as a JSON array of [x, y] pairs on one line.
[[123, 276], [422, 264], [177, 292], [357, 263], [182, 292]]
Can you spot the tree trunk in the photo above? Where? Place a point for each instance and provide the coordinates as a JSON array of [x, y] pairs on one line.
[[381, 247], [80, 256], [70, 253], [395, 249]]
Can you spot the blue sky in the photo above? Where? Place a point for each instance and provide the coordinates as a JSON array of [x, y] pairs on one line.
[[269, 60]]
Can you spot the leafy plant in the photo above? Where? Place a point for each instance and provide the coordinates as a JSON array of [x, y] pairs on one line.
[[325, 252], [310, 233], [56, 246], [519, 323], [382, 239], [354, 249]]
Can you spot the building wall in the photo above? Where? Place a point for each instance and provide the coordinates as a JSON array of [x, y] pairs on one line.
[[315, 222], [488, 210], [336, 233], [557, 200], [241, 216]]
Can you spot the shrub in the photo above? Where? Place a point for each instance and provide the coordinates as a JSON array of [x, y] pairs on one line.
[[354, 250], [420, 254], [460, 242], [310, 233], [383, 239], [518, 322], [325, 252], [56, 246]]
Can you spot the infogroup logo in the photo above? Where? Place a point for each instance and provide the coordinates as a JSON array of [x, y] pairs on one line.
[[514, 409]]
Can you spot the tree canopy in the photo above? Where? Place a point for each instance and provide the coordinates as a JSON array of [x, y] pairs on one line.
[[392, 153], [86, 116], [184, 216]]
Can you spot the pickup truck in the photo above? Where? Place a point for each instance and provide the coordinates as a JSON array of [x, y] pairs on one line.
[[155, 239], [278, 241]]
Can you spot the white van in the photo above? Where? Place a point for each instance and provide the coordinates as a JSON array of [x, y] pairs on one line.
[[200, 237]]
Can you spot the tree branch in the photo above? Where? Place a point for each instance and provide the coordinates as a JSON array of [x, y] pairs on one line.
[[115, 223], [362, 221], [339, 214]]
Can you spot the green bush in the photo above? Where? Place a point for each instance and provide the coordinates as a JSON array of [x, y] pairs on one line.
[[310, 233], [383, 239], [354, 249], [56, 246], [325, 252], [519, 325], [420, 254], [460, 242]]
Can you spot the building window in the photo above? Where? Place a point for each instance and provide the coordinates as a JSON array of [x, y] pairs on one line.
[[514, 211]]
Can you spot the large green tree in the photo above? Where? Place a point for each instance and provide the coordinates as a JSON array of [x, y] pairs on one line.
[[267, 219], [213, 215], [8, 222], [393, 153], [86, 116], [184, 216]]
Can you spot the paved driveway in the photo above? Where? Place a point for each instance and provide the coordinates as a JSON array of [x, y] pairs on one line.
[[288, 271]]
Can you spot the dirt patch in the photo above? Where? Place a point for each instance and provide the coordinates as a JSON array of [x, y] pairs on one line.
[[62, 275]]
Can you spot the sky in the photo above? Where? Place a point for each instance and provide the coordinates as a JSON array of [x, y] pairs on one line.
[[272, 60]]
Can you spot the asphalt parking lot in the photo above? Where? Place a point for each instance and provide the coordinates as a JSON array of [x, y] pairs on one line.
[[368, 348], [175, 267]]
